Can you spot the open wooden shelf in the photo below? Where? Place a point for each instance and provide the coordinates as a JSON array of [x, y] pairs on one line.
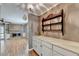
[[53, 17], [53, 30], [52, 24]]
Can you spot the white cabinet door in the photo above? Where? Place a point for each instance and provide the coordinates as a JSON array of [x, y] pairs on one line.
[[34, 44], [46, 49], [56, 54], [39, 46], [63, 51], [37, 43]]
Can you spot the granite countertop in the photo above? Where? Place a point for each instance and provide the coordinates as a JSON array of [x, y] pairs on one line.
[[69, 45]]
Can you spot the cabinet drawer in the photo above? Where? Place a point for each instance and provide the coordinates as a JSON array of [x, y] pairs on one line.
[[34, 42], [56, 54], [63, 51], [46, 51], [49, 45]]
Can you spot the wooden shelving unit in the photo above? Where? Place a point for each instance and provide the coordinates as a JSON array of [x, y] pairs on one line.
[[52, 24], [53, 17]]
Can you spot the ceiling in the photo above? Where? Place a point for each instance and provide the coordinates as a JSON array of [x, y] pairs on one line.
[[37, 8], [17, 12]]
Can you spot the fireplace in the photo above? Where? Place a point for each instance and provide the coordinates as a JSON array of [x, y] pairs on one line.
[[16, 34]]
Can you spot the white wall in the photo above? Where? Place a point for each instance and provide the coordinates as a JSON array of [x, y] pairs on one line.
[[32, 27]]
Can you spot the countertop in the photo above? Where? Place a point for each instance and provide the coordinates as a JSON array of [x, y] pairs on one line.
[[69, 45]]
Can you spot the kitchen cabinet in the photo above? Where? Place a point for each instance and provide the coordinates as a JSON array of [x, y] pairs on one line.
[[45, 48], [34, 44], [37, 45], [63, 51], [42, 47], [46, 51], [56, 54]]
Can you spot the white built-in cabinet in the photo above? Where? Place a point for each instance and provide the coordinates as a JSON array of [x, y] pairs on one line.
[[37, 45], [63, 51], [44, 48]]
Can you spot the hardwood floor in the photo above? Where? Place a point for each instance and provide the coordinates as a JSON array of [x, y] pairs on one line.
[[33, 53], [14, 47]]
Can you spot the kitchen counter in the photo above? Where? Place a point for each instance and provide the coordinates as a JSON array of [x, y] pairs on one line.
[[68, 45]]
